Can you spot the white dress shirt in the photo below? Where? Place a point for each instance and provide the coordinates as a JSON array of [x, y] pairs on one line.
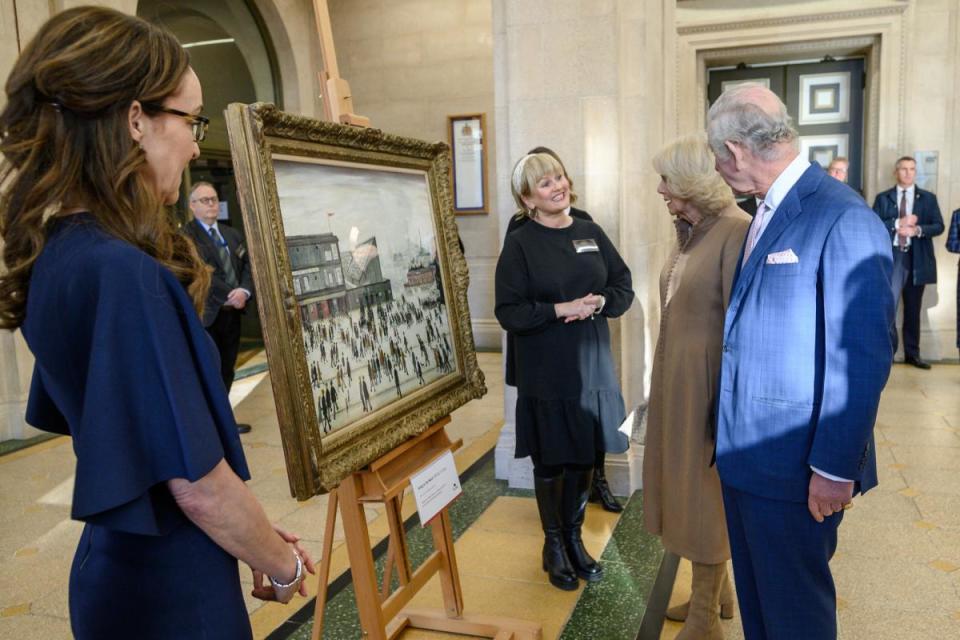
[[779, 189], [911, 194]]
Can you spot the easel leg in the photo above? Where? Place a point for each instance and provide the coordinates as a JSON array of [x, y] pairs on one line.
[[323, 579], [402, 552], [361, 560], [449, 574], [397, 552]]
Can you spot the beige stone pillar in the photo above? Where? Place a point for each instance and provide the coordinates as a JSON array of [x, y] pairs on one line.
[[593, 81]]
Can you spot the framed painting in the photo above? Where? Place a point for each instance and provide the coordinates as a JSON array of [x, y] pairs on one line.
[[824, 98], [361, 287], [823, 149], [469, 170]]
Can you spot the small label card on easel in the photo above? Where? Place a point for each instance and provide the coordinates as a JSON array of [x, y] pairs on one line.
[[435, 486]]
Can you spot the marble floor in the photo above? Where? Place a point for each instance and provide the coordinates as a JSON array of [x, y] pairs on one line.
[[897, 567]]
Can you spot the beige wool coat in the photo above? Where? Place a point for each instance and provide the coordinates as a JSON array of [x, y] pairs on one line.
[[682, 501]]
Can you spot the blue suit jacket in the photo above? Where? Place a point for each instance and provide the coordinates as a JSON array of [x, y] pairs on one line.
[[927, 210], [807, 346]]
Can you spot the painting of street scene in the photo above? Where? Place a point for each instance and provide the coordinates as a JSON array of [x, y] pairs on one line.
[[363, 254]]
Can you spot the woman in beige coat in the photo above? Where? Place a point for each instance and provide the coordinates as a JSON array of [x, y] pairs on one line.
[[682, 498]]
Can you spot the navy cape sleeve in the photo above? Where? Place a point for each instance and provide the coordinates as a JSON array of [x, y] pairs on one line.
[[153, 406], [42, 412]]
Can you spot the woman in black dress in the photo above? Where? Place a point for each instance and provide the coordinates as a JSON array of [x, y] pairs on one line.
[[558, 279], [599, 489], [102, 117]]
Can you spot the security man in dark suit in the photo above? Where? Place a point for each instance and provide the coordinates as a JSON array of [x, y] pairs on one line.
[[912, 216], [231, 286]]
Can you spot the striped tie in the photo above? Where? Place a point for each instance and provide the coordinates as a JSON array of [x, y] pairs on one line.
[[224, 252]]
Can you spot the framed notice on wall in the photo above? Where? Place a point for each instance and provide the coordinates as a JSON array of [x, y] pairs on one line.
[[469, 168]]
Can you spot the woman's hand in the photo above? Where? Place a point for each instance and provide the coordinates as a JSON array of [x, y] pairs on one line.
[[596, 300], [294, 539], [579, 309], [264, 589]]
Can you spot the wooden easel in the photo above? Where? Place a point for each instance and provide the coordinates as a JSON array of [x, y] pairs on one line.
[[337, 99], [383, 615]]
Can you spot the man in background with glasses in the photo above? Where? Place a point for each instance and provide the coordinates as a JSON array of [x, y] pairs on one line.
[[231, 285]]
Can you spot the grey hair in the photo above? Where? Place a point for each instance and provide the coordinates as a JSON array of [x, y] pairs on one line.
[[200, 183], [735, 118]]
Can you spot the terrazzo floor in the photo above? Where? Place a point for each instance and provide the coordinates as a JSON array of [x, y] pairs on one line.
[[897, 567]]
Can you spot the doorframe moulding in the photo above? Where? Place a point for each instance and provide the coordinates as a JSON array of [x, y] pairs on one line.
[[879, 34]]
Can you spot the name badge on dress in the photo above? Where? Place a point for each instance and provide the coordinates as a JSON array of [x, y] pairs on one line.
[[586, 246]]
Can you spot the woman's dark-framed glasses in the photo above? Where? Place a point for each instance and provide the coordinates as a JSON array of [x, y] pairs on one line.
[[199, 124]]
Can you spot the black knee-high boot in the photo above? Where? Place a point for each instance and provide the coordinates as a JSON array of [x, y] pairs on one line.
[[576, 490], [600, 491], [555, 560]]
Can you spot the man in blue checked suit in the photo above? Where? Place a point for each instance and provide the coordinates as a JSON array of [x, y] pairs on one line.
[[806, 353]]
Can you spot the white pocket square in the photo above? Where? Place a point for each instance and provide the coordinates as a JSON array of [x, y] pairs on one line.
[[783, 257]]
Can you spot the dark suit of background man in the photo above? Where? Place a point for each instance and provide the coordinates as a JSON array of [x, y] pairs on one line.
[[806, 353], [953, 246], [912, 216], [231, 286]]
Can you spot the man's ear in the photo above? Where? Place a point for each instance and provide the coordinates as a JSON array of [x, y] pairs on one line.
[[736, 152], [136, 121]]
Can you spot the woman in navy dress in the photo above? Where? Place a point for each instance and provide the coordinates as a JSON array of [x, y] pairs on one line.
[[558, 279], [102, 117]]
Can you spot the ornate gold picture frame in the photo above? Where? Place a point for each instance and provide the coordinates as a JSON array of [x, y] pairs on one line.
[[361, 287]]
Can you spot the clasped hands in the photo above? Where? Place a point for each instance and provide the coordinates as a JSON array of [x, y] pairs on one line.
[[908, 226], [579, 309], [237, 299], [264, 589]]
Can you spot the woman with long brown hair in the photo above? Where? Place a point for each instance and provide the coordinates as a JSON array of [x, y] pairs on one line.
[[102, 117]]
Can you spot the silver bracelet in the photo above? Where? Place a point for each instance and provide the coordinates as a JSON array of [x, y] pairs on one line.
[[603, 303], [296, 578]]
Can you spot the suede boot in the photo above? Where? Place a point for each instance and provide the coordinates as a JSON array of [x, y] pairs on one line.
[[600, 492], [555, 560], [727, 603], [703, 623], [576, 490]]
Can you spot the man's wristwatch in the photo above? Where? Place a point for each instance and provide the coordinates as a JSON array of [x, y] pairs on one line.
[[297, 579]]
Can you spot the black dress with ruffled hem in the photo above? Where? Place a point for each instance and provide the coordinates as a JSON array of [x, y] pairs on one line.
[[569, 404]]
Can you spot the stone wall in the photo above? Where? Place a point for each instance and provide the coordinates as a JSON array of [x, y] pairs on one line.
[[410, 64], [913, 90], [593, 80]]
